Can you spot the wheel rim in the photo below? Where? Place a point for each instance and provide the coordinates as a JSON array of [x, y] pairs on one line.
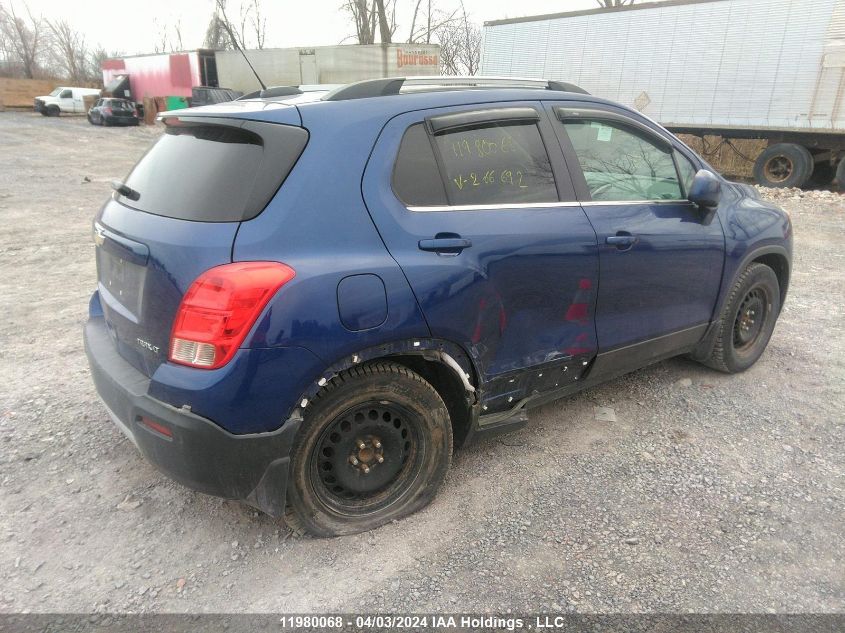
[[750, 319], [367, 458], [779, 168]]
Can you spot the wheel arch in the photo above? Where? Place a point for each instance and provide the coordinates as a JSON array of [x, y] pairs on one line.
[[446, 366], [779, 263], [775, 257]]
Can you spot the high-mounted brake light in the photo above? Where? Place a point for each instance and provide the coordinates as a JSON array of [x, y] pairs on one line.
[[219, 310]]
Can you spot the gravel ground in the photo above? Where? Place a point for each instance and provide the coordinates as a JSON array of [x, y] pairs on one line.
[[672, 489]]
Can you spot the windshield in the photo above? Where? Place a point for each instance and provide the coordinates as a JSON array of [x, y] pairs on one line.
[[56, 92]]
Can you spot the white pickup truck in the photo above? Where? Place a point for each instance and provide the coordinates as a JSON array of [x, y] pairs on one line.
[[64, 99]]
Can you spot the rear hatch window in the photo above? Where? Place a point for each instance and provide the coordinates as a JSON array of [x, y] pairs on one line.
[[206, 172], [193, 188]]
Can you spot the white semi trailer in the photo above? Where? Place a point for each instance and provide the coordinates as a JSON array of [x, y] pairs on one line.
[[325, 64], [740, 69]]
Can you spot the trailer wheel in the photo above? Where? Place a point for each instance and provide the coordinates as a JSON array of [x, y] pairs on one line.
[[823, 174], [840, 174], [783, 165]]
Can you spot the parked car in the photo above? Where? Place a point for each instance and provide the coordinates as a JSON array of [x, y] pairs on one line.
[[113, 112], [64, 99], [345, 285]]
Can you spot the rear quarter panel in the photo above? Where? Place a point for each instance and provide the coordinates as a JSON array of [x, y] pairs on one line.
[[318, 224]]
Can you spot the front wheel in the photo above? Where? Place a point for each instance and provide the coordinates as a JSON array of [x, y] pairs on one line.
[[747, 320], [375, 446]]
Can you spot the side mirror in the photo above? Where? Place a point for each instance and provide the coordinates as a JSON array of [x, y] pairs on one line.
[[706, 190]]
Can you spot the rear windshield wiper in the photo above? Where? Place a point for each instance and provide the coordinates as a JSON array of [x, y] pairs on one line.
[[125, 190]]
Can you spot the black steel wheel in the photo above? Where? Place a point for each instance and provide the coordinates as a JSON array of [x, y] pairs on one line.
[[747, 321], [374, 446], [750, 318], [367, 456]]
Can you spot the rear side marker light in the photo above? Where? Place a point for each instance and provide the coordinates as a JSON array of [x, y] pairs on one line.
[[219, 310], [155, 426]]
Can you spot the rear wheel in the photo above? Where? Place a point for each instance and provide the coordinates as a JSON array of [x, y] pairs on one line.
[[747, 321], [375, 446], [783, 165]]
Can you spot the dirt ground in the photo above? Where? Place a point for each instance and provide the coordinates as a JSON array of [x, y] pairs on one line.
[[672, 489]]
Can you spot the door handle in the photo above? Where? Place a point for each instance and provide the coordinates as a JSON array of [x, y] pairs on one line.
[[622, 240], [445, 245]]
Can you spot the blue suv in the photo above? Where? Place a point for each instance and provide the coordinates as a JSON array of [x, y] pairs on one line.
[[305, 300]]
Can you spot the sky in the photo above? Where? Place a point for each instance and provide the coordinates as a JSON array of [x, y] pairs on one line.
[[289, 22]]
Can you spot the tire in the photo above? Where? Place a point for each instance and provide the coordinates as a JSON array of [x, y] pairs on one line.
[[840, 174], [783, 165], [823, 174], [375, 446], [53, 111], [747, 320], [90, 120]]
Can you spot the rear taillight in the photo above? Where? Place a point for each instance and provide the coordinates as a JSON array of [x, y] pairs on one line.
[[220, 308]]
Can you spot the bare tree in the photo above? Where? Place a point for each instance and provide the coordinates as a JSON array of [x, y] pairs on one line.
[[460, 45], [22, 39], [423, 30], [216, 37], [259, 24], [95, 63], [610, 4], [367, 14], [236, 35], [383, 26], [177, 35], [363, 14], [161, 43], [68, 50]]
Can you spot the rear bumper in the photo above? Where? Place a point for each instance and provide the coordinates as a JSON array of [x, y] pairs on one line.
[[199, 454], [122, 120]]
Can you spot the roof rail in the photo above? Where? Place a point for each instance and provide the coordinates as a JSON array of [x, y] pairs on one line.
[[395, 85]]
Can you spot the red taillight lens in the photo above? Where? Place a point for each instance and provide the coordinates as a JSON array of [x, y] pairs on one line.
[[220, 308]]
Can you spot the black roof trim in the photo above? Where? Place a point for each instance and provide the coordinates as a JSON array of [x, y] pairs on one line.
[[572, 14], [393, 86]]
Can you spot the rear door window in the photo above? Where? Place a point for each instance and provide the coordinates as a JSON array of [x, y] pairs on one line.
[[494, 163], [622, 164], [214, 173]]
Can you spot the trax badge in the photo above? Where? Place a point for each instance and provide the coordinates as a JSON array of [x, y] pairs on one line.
[[153, 348]]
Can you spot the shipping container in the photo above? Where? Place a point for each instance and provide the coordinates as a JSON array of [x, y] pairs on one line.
[[738, 69], [160, 74], [326, 64]]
